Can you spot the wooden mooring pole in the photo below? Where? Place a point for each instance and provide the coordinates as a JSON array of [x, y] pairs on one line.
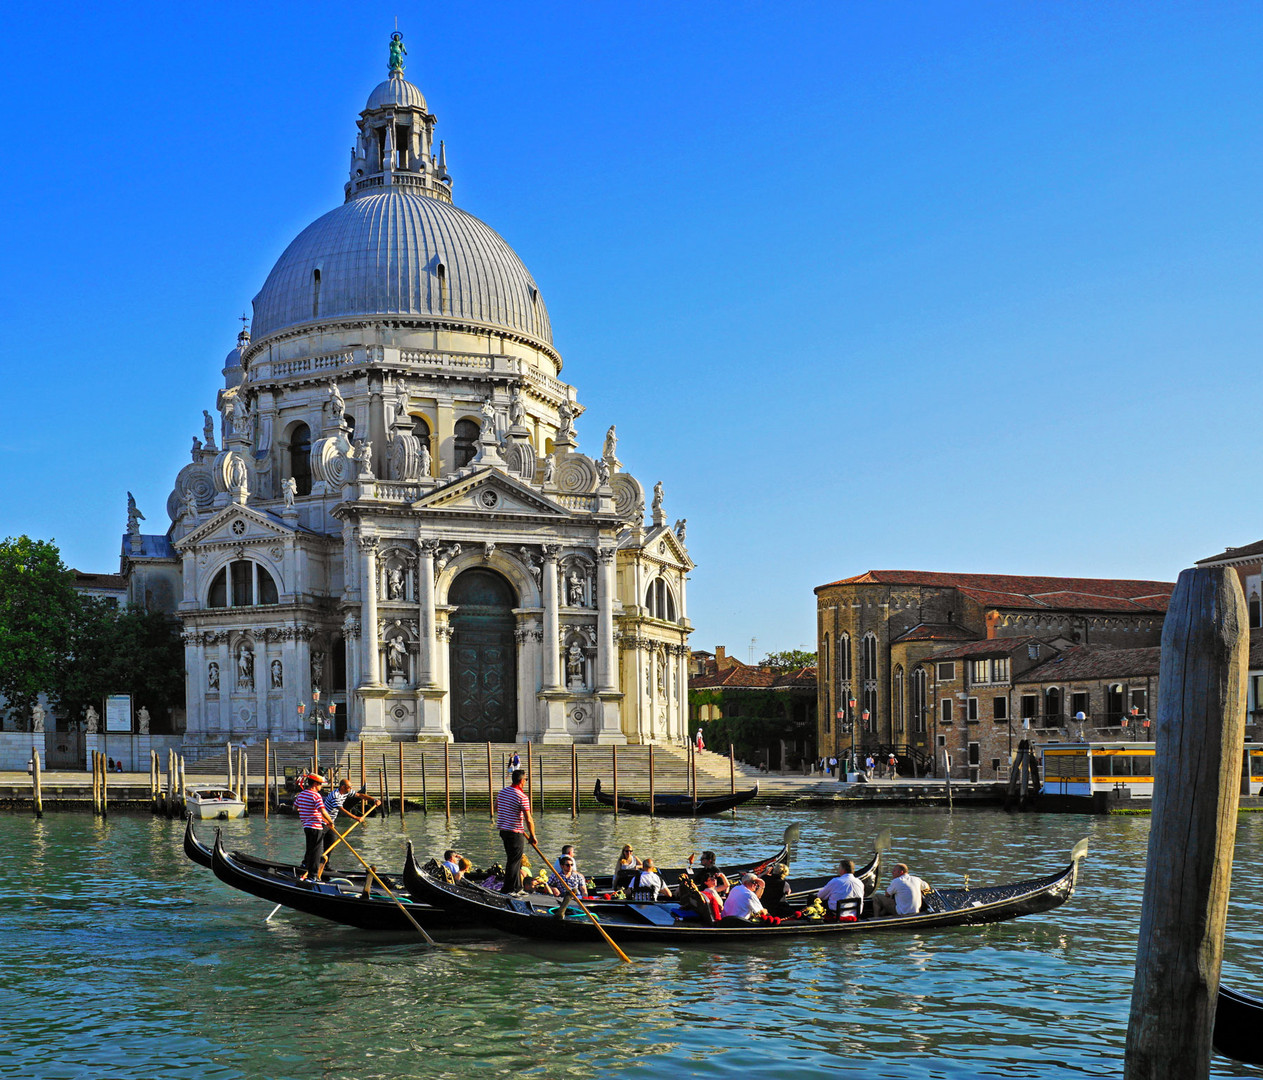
[[491, 791], [574, 781], [36, 791], [447, 780], [614, 765], [401, 795], [1197, 776], [651, 813], [267, 776]]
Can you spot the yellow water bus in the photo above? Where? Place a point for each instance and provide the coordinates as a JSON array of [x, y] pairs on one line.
[[1085, 768]]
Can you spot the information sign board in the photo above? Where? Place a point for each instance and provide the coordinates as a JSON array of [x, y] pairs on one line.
[[118, 713]]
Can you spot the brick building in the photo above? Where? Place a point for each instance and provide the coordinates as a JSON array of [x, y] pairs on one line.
[[925, 661]]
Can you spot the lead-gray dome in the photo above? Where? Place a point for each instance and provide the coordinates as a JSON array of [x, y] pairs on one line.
[[395, 91], [397, 253]]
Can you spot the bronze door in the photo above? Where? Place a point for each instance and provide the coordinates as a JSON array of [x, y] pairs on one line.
[[483, 658]]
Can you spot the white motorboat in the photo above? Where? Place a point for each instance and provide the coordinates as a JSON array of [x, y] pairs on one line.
[[207, 802]]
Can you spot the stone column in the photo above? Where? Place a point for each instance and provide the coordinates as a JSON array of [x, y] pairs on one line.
[[368, 610], [552, 621], [605, 656], [425, 602]]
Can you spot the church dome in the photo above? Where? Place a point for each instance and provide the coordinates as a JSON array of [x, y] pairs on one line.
[[394, 252], [395, 92]]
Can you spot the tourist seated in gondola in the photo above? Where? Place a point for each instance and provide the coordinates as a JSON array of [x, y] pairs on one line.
[[451, 863], [902, 895], [647, 886], [626, 867], [710, 894], [776, 890], [839, 894], [463, 866], [567, 852], [708, 863], [566, 873], [744, 900]]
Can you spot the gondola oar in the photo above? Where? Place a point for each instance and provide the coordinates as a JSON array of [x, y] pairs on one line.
[[544, 859], [372, 871], [341, 836]]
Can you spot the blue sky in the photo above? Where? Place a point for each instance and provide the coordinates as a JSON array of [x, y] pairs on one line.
[[928, 286]]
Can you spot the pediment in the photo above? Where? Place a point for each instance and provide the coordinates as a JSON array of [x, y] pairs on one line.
[[662, 543], [235, 524], [490, 492]]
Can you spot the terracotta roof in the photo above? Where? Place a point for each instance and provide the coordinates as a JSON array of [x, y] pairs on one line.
[[1234, 553], [998, 646], [935, 632], [1084, 662], [84, 580], [745, 677], [1020, 591]]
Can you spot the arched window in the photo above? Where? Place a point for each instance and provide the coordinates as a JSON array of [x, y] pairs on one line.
[[659, 601], [897, 700], [465, 442], [315, 294], [919, 700], [300, 457], [1052, 707], [844, 657], [868, 654], [824, 681], [243, 583], [441, 273]]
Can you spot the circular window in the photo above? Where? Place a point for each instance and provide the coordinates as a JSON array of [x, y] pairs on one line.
[[238, 527], [489, 499]]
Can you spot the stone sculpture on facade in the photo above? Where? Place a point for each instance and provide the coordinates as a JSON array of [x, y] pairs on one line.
[[424, 460], [574, 664], [245, 668], [446, 553], [243, 422], [401, 404], [517, 410], [679, 528], [37, 718], [134, 516], [317, 668], [197, 447], [550, 467], [363, 453], [397, 655], [93, 720], [566, 415], [602, 472], [278, 675], [142, 721], [394, 583], [212, 677], [190, 506], [397, 52], [208, 429], [488, 411], [238, 478], [575, 590], [337, 406], [610, 453], [657, 497], [289, 490]]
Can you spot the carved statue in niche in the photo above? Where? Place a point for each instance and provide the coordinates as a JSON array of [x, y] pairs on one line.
[[574, 664], [278, 675], [394, 583], [662, 674], [517, 411], [245, 667], [397, 655], [424, 462], [574, 589], [317, 668], [37, 718], [212, 677], [93, 719], [142, 721], [289, 489]]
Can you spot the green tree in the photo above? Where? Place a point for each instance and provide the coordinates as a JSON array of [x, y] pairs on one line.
[[37, 612], [123, 651], [788, 660]]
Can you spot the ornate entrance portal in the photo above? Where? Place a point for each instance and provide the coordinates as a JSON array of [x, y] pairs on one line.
[[483, 658]]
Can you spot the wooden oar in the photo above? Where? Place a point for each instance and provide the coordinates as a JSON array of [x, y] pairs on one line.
[[357, 821], [372, 871], [622, 955]]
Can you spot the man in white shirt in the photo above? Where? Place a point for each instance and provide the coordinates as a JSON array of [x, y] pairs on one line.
[[743, 900], [902, 895], [843, 887], [647, 886]]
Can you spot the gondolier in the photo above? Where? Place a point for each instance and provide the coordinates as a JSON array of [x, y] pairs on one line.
[[513, 819], [334, 805], [314, 817]]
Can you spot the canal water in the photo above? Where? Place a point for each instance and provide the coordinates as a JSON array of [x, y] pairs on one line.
[[123, 959]]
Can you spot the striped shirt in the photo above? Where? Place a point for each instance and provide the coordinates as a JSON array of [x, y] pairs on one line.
[[334, 801], [308, 804], [511, 809]]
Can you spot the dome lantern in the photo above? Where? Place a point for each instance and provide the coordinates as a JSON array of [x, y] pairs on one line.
[[395, 144]]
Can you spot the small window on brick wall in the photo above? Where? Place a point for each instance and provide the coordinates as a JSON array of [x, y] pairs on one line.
[[973, 710], [1001, 708], [945, 672]]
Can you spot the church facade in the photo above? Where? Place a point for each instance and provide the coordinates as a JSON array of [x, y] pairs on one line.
[[390, 524]]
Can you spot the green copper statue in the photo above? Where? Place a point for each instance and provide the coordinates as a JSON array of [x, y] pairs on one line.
[[397, 52]]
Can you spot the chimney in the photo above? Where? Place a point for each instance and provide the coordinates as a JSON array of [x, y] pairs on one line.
[[720, 658]]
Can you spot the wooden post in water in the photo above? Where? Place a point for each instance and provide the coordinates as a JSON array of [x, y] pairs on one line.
[[153, 781], [36, 790], [363, 775], [385, 787], [425, 801], [693, 773], [179, 761], [651, 808], [401, 795], [491, 790], [614, 754], [267, 775], [732, 771], [243, 778], [530, 789], [574, 781], [105, 785], [447, 780], [1197, 769], [541, 781], [464, 792]]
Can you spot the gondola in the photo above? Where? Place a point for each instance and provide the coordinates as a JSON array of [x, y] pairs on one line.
[[200, 853], [632, 923], [676, 805], [337, 899], [1238, 1020]]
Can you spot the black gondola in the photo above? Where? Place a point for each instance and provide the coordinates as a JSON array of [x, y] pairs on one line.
[[629, 923], [1238, 1020], [340, 903], [676, 805]]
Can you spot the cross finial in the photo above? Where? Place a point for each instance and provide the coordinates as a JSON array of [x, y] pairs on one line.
[[244, 319]]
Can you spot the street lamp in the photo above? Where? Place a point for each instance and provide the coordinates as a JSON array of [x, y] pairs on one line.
[[850, 727], [840, 717]]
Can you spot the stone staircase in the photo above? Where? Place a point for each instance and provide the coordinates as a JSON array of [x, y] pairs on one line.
[[427, 769]]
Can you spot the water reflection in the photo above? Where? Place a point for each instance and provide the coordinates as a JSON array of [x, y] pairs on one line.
[[149, 964]]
